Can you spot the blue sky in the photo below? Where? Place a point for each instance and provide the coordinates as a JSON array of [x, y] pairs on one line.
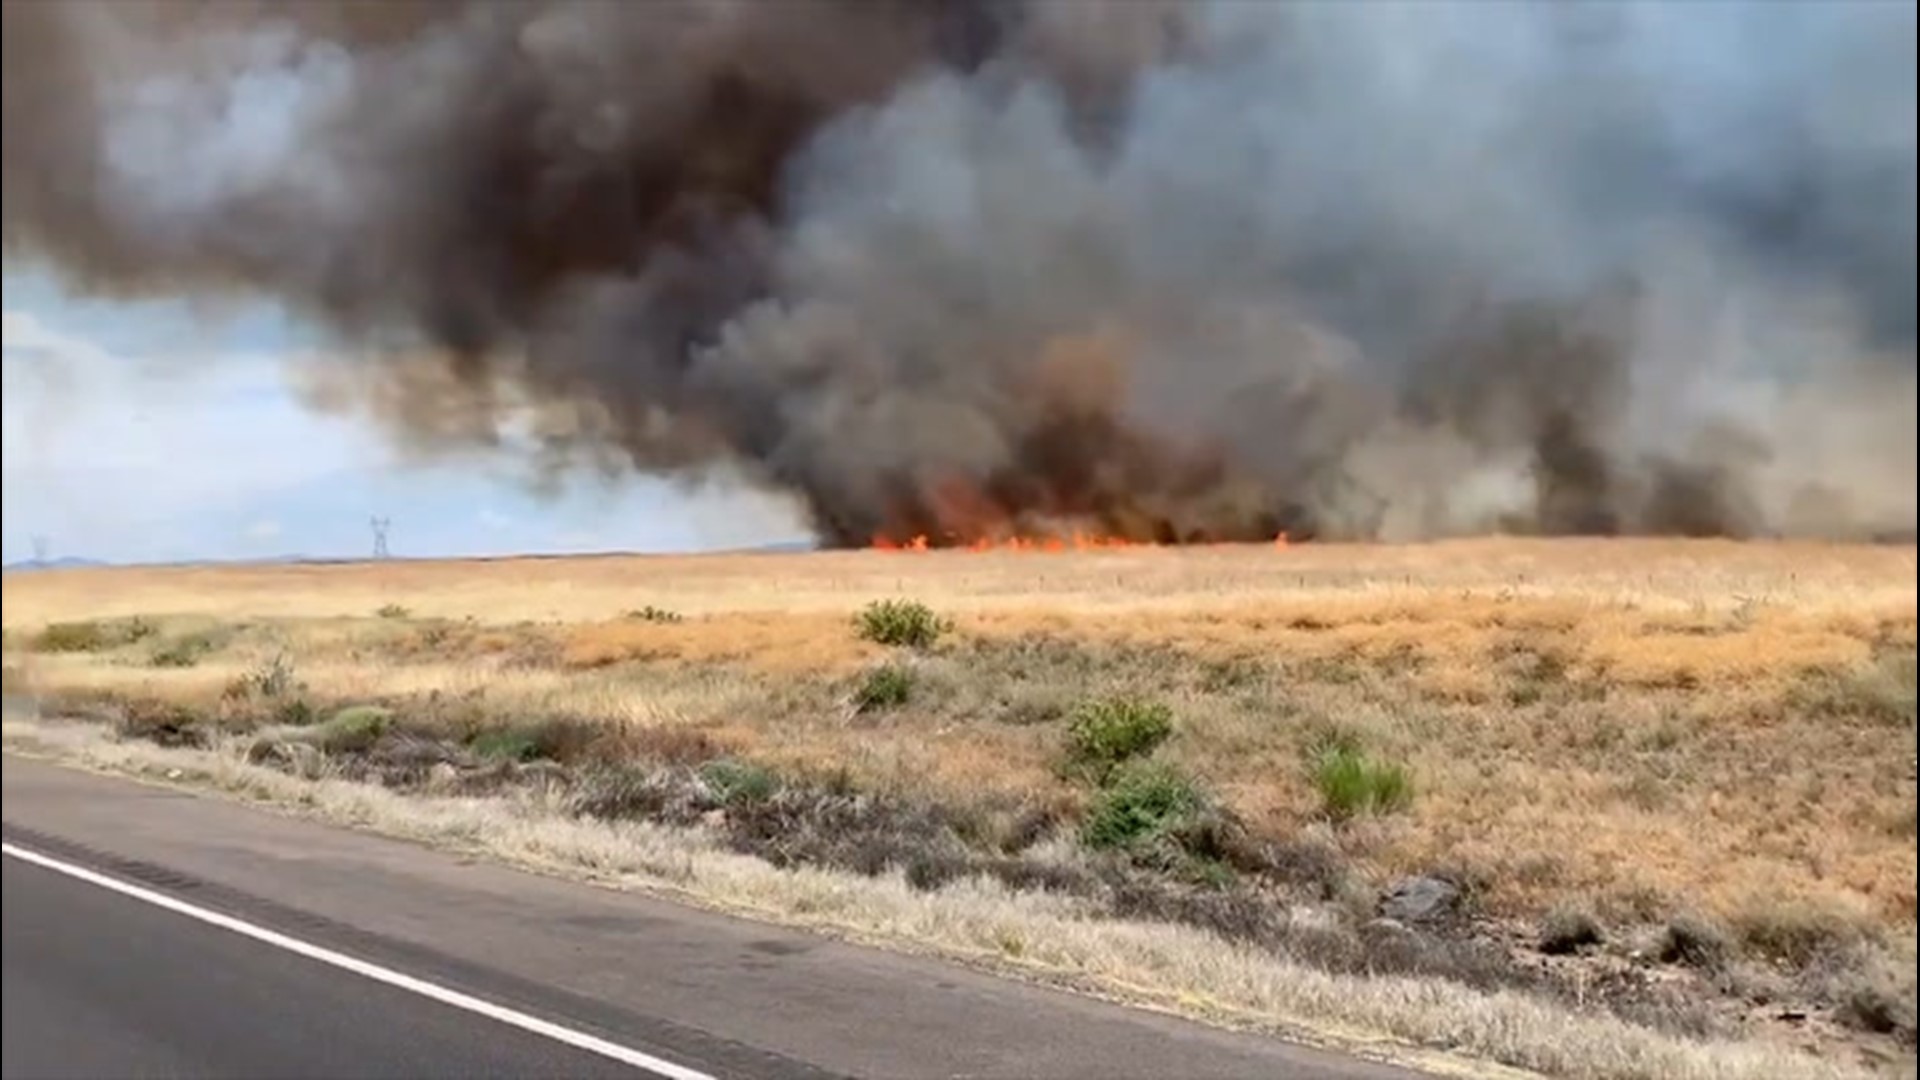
[[157, 431]]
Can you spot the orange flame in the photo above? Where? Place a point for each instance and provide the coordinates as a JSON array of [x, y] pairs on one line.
[[969, 518], [1077, 540]]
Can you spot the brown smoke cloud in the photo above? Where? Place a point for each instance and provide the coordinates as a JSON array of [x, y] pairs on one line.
[[1160, 270]]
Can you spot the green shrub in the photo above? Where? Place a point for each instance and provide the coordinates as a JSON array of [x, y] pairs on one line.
[[1106, 733], [178, 654], [354, 728], [164, 725], [272, 681], [907, 623], [506, 744], [1881, 692], [885, 687], [1883, 1005], [392, 611], [1027, 705], [654, 614], [1797, 935], [617, 792], [1351, 783], [1568, 930], [1142, 802], [184, 651], [738, 781], [559, 738], [1695, 943], [91, 635]]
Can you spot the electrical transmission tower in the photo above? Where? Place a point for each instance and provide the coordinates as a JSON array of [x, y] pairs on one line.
[[380, 528], [41, 547]]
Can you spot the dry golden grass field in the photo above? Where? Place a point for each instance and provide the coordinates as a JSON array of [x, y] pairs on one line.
[[1692, 760]]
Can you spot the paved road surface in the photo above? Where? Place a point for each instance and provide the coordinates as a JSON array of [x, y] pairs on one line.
[[97, 983]]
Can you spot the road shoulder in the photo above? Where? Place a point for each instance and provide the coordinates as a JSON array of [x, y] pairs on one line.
[[732, 995]]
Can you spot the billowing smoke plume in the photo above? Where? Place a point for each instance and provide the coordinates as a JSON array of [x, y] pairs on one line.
[[954, 267]]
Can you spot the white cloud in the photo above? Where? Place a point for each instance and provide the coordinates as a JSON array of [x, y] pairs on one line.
[[108, 446], [34, 342], [195, 455]]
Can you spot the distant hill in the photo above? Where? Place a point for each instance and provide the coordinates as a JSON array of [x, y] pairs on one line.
[[69, 562], [72, 562], [788, 545]]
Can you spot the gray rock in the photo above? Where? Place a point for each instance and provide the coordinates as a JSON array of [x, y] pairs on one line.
[[443, 776], [1420, 899]]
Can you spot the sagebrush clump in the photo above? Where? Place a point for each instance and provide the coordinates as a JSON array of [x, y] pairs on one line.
[[354, 728], [185, 651], [92, 635], [735, 782], [904, 623], [887, 687], [1568, 930], [1142, 802], [1108, 732], [1694, 942]]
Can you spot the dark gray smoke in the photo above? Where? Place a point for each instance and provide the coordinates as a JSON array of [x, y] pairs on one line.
[[1167, 270]]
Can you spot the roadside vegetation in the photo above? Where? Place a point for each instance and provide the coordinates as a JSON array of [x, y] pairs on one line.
[[1685, 811]]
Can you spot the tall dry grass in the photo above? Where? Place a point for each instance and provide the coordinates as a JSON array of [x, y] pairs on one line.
[[1639, 729]]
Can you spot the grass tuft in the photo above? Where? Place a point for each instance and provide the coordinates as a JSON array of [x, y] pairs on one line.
[[1352, 783]]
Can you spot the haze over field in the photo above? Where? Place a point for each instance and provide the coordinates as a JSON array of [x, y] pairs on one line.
[[975, 269]]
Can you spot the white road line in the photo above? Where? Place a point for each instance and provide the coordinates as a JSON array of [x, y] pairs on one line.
[[511, 1017]]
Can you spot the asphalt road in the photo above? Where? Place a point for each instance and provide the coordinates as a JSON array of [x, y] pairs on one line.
[[101, 984]]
